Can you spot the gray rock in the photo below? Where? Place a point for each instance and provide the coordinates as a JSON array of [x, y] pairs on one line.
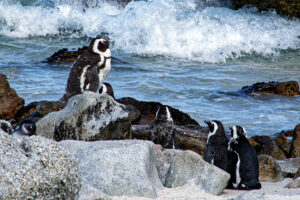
[[88, 116], [36, 168], [289, 167], [164, 160], [269, 169], [294, 183], [188, 167], [117, 168], [251, 195]]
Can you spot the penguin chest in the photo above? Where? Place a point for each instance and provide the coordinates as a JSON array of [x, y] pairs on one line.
[[104, 71]]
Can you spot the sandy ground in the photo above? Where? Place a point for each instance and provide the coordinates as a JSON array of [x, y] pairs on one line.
[[269, 191]]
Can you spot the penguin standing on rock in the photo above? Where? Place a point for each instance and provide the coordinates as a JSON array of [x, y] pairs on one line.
[[162, 131], [243, 162], [216, 152], [90, 69]]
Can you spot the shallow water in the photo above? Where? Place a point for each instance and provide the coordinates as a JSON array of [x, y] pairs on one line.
[[183, 55]]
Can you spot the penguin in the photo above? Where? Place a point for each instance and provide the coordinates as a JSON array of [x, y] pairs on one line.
[[243, 162], [90, 69], [216, 152], [27, 128], [162, 131], [107, 88], [6, 127]]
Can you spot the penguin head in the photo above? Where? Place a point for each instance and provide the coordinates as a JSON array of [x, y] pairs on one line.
[[107, 88], [238, 133], [27, 128], [215, 127], [99, 46], [6, 127], [163, 115]]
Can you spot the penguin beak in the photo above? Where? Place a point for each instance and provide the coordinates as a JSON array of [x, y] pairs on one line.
[[207, 122]]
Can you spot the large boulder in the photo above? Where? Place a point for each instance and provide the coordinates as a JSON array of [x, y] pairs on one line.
[[269, 169], [88, 116], [187, 167], [283, 7], [295, 146], [37, 168], [10, 102], [116, 168], [274, 149]]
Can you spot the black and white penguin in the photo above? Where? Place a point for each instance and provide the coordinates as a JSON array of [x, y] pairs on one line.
[[90, 69], [26, 128], [216, 152], [243, 162], [107, 88], [162, 131], [6, 127]]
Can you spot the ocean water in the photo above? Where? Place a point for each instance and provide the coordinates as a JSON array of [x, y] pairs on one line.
[[187, 54]]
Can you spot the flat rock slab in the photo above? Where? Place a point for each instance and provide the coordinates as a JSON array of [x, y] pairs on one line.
[[37, 168], [117, 168]]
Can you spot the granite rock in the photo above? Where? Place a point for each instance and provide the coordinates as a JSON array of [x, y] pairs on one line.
[[269, 169], [116, 168], [273, 148], [36, 168], [289, 167], [188, 167], [88, 116]]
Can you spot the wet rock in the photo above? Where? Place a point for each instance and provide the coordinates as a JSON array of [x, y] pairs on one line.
[[295, 146], [37, 168], [289, 88], [289, 167], [297, 173], [187, 137], [88, 116], [148, 111], [282, 7], [258, 142], [117, 168], [188, 167], [269, 169], [10, 102], [45, 107], [66, 55], [26, 111], [273, 148], [293, 184]]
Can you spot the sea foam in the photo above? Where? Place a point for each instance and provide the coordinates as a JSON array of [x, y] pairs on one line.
[[158, 27]]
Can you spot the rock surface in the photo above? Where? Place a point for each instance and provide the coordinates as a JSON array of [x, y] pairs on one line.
[[188, 137], [88, 116], [148, 111], [289, 88], [289, 167], [188, 167], [10, 102], [283, 7], [269, 169], [37, 168], [116, 168], [273, 148], [294, 184], [295, 146]]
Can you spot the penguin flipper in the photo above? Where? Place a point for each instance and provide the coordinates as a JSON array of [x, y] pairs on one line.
[[93, 79]]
